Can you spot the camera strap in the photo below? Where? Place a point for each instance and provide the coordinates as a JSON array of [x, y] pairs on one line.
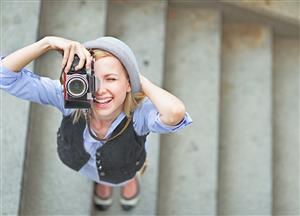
[[87, 115]]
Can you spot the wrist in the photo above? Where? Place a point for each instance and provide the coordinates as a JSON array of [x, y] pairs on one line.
[[143, 80], [147, 86], [44, 44]]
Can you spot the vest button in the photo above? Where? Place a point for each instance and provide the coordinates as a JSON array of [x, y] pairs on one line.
[[102, 173], [100, 167], [98, 162], [137, 163], [98, 154]]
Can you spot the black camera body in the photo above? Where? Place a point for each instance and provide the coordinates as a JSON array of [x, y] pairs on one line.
[[79, 86]]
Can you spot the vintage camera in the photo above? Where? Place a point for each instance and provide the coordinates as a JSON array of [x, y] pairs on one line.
[[79, 86]]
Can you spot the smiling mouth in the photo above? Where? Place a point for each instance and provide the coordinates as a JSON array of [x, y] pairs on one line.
[[102, 101]]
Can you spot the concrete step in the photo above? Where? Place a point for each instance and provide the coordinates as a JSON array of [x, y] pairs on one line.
[[189, 158], [50, 188], [245, 159], [142, 26], [14, 112], [286, 74]]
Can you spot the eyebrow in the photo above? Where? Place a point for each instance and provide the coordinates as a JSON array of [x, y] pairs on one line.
[[111, 74]]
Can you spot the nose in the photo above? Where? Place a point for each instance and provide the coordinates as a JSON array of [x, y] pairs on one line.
[[101, 87]]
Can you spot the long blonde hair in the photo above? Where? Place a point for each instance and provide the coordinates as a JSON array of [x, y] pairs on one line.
[[132, 100]]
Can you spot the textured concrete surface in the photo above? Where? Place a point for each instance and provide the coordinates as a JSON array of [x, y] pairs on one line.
[[279, 15], [50, 188], [245, 177], [14, 112], [188, 161], [286, 126], [288, 9], [142, 26]]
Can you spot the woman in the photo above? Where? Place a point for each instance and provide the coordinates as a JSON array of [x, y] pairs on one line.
[[106, 142]]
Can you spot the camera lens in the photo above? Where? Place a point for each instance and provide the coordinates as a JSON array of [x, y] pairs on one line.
[[77, 87]]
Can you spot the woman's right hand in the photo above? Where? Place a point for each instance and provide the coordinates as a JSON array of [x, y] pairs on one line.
[[69, 49]]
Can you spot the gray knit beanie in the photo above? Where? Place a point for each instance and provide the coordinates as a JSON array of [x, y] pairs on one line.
[[123, 53]]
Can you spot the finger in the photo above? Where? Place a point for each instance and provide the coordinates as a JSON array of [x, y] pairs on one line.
[[71, 57], [88, 59], [65, 57], [82, 59]]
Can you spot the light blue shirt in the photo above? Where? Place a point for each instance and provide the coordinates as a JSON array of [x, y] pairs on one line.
[[43, 90]]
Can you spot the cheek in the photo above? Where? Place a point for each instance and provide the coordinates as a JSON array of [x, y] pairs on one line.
[[119, 96], [119, 90]]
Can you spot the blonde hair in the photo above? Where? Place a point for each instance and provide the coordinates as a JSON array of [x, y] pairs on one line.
[[132, 100]]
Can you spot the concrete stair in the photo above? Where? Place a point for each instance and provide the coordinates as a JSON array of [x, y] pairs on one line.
[[49, 187], [188, 161], [245, 185], [14, 112], [239, 79], [286, 126]]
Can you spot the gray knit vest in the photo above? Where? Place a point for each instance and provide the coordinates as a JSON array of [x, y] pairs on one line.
[[117, 160]]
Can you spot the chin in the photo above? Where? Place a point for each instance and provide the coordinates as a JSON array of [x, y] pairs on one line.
[[105, 113], [101, 112]]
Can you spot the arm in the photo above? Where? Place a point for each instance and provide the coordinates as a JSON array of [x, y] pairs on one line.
[[20, 58], [20, 82], [170, 108]]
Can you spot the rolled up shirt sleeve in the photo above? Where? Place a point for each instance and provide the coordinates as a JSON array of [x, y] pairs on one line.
[[29, 86], [147, 119]]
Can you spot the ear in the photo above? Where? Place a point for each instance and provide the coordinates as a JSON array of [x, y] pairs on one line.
[[128, 89]]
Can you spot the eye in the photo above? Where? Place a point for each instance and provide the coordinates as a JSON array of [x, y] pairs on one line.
[[111, 79]]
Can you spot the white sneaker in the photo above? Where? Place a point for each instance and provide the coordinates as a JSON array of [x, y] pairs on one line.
[[129, 203], [102, 204]]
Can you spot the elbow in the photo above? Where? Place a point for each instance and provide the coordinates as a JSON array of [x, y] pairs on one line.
[[177, 114]]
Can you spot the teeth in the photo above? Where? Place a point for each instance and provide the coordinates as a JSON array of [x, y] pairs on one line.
[[102, 101]]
